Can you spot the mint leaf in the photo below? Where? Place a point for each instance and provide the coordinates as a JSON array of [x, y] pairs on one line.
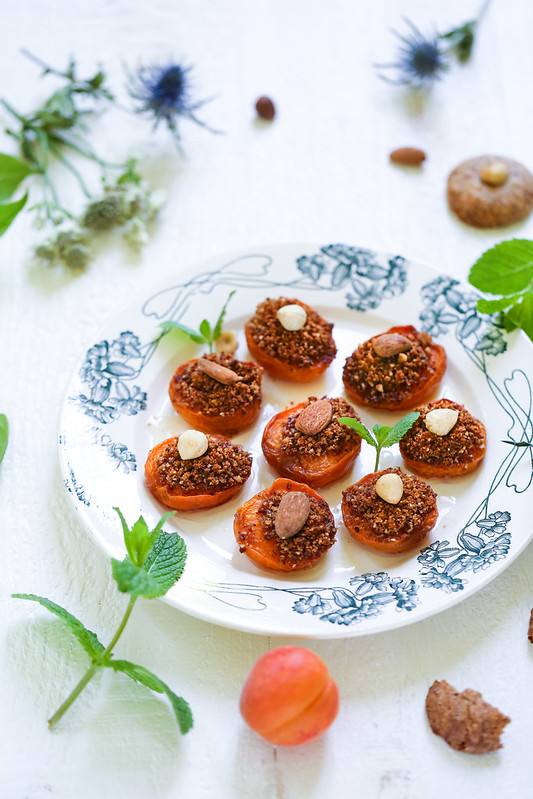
[[359, 428], [494, 306], [8, 212], [167, 326], [4, 435], [134, 580], [139, 674], [397, 432], [166, 560], [217, 330], [12, 172], [139, 541], [87, 639], [381, 431], [521, 315], [506, 268], [205, 330]]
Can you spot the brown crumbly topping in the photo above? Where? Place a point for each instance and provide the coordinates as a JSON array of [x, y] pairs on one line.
[[333, 438], [222, 466], [204, 394], [465, 721], [315, 537], [302, 348], [466, 436], [375, 377], [384, 519]]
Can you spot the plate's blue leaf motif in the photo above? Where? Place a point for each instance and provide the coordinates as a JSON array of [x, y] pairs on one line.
[[73, 486], [368, 596], [123, 458], [106, 371], [367, 279]]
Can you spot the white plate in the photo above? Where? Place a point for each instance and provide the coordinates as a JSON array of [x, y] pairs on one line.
[[117, 408]]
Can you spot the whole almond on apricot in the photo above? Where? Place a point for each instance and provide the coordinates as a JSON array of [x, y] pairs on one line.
[[292, 514], [389, 344], [314, 418], [218, 372], [408, 156]]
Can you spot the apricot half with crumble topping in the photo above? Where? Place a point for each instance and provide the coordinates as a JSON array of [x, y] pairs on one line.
[[217, 393], [392, 526], [195, 483], [395, 370], [256, 531], [302, 452], [433, 453], [296, 346]]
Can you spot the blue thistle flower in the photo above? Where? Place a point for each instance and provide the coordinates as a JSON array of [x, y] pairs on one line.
[[164, 92], [421, 60]]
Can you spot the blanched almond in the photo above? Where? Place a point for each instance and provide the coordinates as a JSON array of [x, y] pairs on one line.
[[292, 317], [391, 344], [390, 488], [314, 418], [218, 372], [441, 420], [292, 514], [192, 444]]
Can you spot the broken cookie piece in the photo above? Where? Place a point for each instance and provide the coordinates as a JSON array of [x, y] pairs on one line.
[[465, 721]]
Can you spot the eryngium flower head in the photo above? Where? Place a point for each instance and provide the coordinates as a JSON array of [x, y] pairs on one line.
[[164, 92], [421, 60]]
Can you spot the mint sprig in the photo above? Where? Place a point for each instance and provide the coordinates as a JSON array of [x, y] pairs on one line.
[[206, 334], [155, 561], [4, 435], [384, 436], [507, 270]]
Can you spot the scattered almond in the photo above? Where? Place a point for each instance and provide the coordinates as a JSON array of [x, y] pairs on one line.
[[192, 444], [226, 342], [441, 420], [292, 317], [408, 156], [390, 488], [314, 418], [389, 344], [495, 174], [292, 514], [218, 372]]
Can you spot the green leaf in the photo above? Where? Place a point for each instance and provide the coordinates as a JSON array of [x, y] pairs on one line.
[[87, 639], [8, 212], [4, 435], [359, 428], [139, 674], [397, 432], [12, 172], [139, 540], [217, 330], [493, 306], [166, 560], [163, 566], [381, 431], [197, 337], [521, 315], [205, 330], [506, 268], [132, 579], [461, 40]]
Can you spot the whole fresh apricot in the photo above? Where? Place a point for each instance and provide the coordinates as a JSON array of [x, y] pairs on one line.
[[288, 697]]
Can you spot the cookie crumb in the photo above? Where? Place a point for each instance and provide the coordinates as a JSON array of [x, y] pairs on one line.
[[465, 721]]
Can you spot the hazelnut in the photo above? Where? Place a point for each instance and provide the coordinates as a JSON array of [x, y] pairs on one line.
[[192, 444], [390, 488], [495, 174], [226, 342], [292, 317], [265, 108], [441, 420]]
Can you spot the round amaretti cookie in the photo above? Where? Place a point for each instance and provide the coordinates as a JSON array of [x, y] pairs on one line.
[[490, 191]]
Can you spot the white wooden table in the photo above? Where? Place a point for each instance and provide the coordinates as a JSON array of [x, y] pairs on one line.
[[320, 171]]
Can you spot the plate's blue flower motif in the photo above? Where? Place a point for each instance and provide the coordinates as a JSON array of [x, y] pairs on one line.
[[106, 369], [405, 593], [312, 604], [443, 564], [492, 342]]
